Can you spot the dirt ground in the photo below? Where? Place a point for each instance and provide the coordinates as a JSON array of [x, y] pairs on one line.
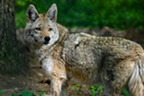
[[33, 82], [16, 84]]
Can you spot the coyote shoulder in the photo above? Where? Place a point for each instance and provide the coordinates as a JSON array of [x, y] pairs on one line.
[[82, 58]]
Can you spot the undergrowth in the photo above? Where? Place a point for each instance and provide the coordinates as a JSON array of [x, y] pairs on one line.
[[94, 90]]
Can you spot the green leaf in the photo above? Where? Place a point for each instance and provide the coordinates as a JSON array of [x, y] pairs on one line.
[[95, 92], [92, 87], [101, 87], [1, 91], [83, 88], [78, 85], [125, 92], [77, 92], [74, 88], [27, 93]]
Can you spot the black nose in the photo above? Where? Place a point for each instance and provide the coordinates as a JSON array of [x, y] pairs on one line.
[[47, 38]]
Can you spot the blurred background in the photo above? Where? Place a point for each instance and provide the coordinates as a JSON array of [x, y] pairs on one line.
[[117, 14]]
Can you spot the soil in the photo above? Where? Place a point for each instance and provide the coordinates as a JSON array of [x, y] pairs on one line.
[[16, 84], [36, 80]]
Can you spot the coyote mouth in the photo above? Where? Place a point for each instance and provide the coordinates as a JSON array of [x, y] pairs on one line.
[[46, 42]]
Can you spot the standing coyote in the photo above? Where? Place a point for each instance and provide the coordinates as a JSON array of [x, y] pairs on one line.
[[82, 58]]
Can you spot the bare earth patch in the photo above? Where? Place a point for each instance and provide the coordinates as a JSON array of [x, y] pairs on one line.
[[16, 84], [33, 82]]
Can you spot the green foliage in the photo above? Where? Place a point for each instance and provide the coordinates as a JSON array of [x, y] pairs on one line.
[[77, 89], [96, 90], [29, 93], [1, 91], [125, 92], [25, 93], [117, 14]]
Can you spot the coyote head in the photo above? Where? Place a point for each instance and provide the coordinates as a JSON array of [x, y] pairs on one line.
[[41, 28]]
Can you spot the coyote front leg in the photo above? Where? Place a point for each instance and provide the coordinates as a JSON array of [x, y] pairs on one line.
[[64, 91], [55, 87], [56, 73]]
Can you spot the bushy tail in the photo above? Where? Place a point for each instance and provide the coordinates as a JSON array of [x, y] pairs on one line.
[[136, 83]]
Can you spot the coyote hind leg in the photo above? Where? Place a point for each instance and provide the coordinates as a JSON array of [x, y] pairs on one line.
[[116, 77]]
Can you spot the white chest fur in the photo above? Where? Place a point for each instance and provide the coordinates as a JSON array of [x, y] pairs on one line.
[[47, 65]]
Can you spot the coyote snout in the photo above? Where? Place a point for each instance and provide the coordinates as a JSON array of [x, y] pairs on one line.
[[47, 39]]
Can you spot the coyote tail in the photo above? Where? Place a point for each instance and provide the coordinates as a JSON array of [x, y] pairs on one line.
[[136, 83]]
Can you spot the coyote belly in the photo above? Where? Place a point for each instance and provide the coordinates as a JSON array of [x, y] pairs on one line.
[[83, 58]]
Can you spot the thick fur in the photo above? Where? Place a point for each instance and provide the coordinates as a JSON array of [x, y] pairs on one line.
[[83, 58]]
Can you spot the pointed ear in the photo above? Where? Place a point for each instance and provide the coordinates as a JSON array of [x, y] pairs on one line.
[[31, 14], [52, 13]]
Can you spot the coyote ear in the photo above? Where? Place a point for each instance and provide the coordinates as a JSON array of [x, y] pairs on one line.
[[52, 13], [31, 14]]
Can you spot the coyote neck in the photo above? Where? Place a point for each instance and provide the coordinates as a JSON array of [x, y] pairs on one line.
[[44, 51]]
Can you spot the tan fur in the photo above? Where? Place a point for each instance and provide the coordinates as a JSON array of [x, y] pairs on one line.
[[83, 58]]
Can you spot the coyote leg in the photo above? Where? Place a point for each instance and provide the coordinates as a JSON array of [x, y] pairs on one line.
[[56, 85], [116, 78], [64, 91]]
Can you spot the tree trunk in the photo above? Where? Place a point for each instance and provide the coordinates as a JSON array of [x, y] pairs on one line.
[[11, 59]]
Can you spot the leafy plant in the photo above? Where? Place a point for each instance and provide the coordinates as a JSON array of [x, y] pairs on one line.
[[24, 93], [27, 93], [1, 91], [96, 90], [125, 92], [77, 88]]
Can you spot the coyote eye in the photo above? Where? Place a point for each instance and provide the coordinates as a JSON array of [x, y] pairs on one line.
[[38, 29], [50, 29]]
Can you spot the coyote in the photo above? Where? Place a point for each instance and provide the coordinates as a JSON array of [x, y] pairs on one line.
[[82, 58]]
